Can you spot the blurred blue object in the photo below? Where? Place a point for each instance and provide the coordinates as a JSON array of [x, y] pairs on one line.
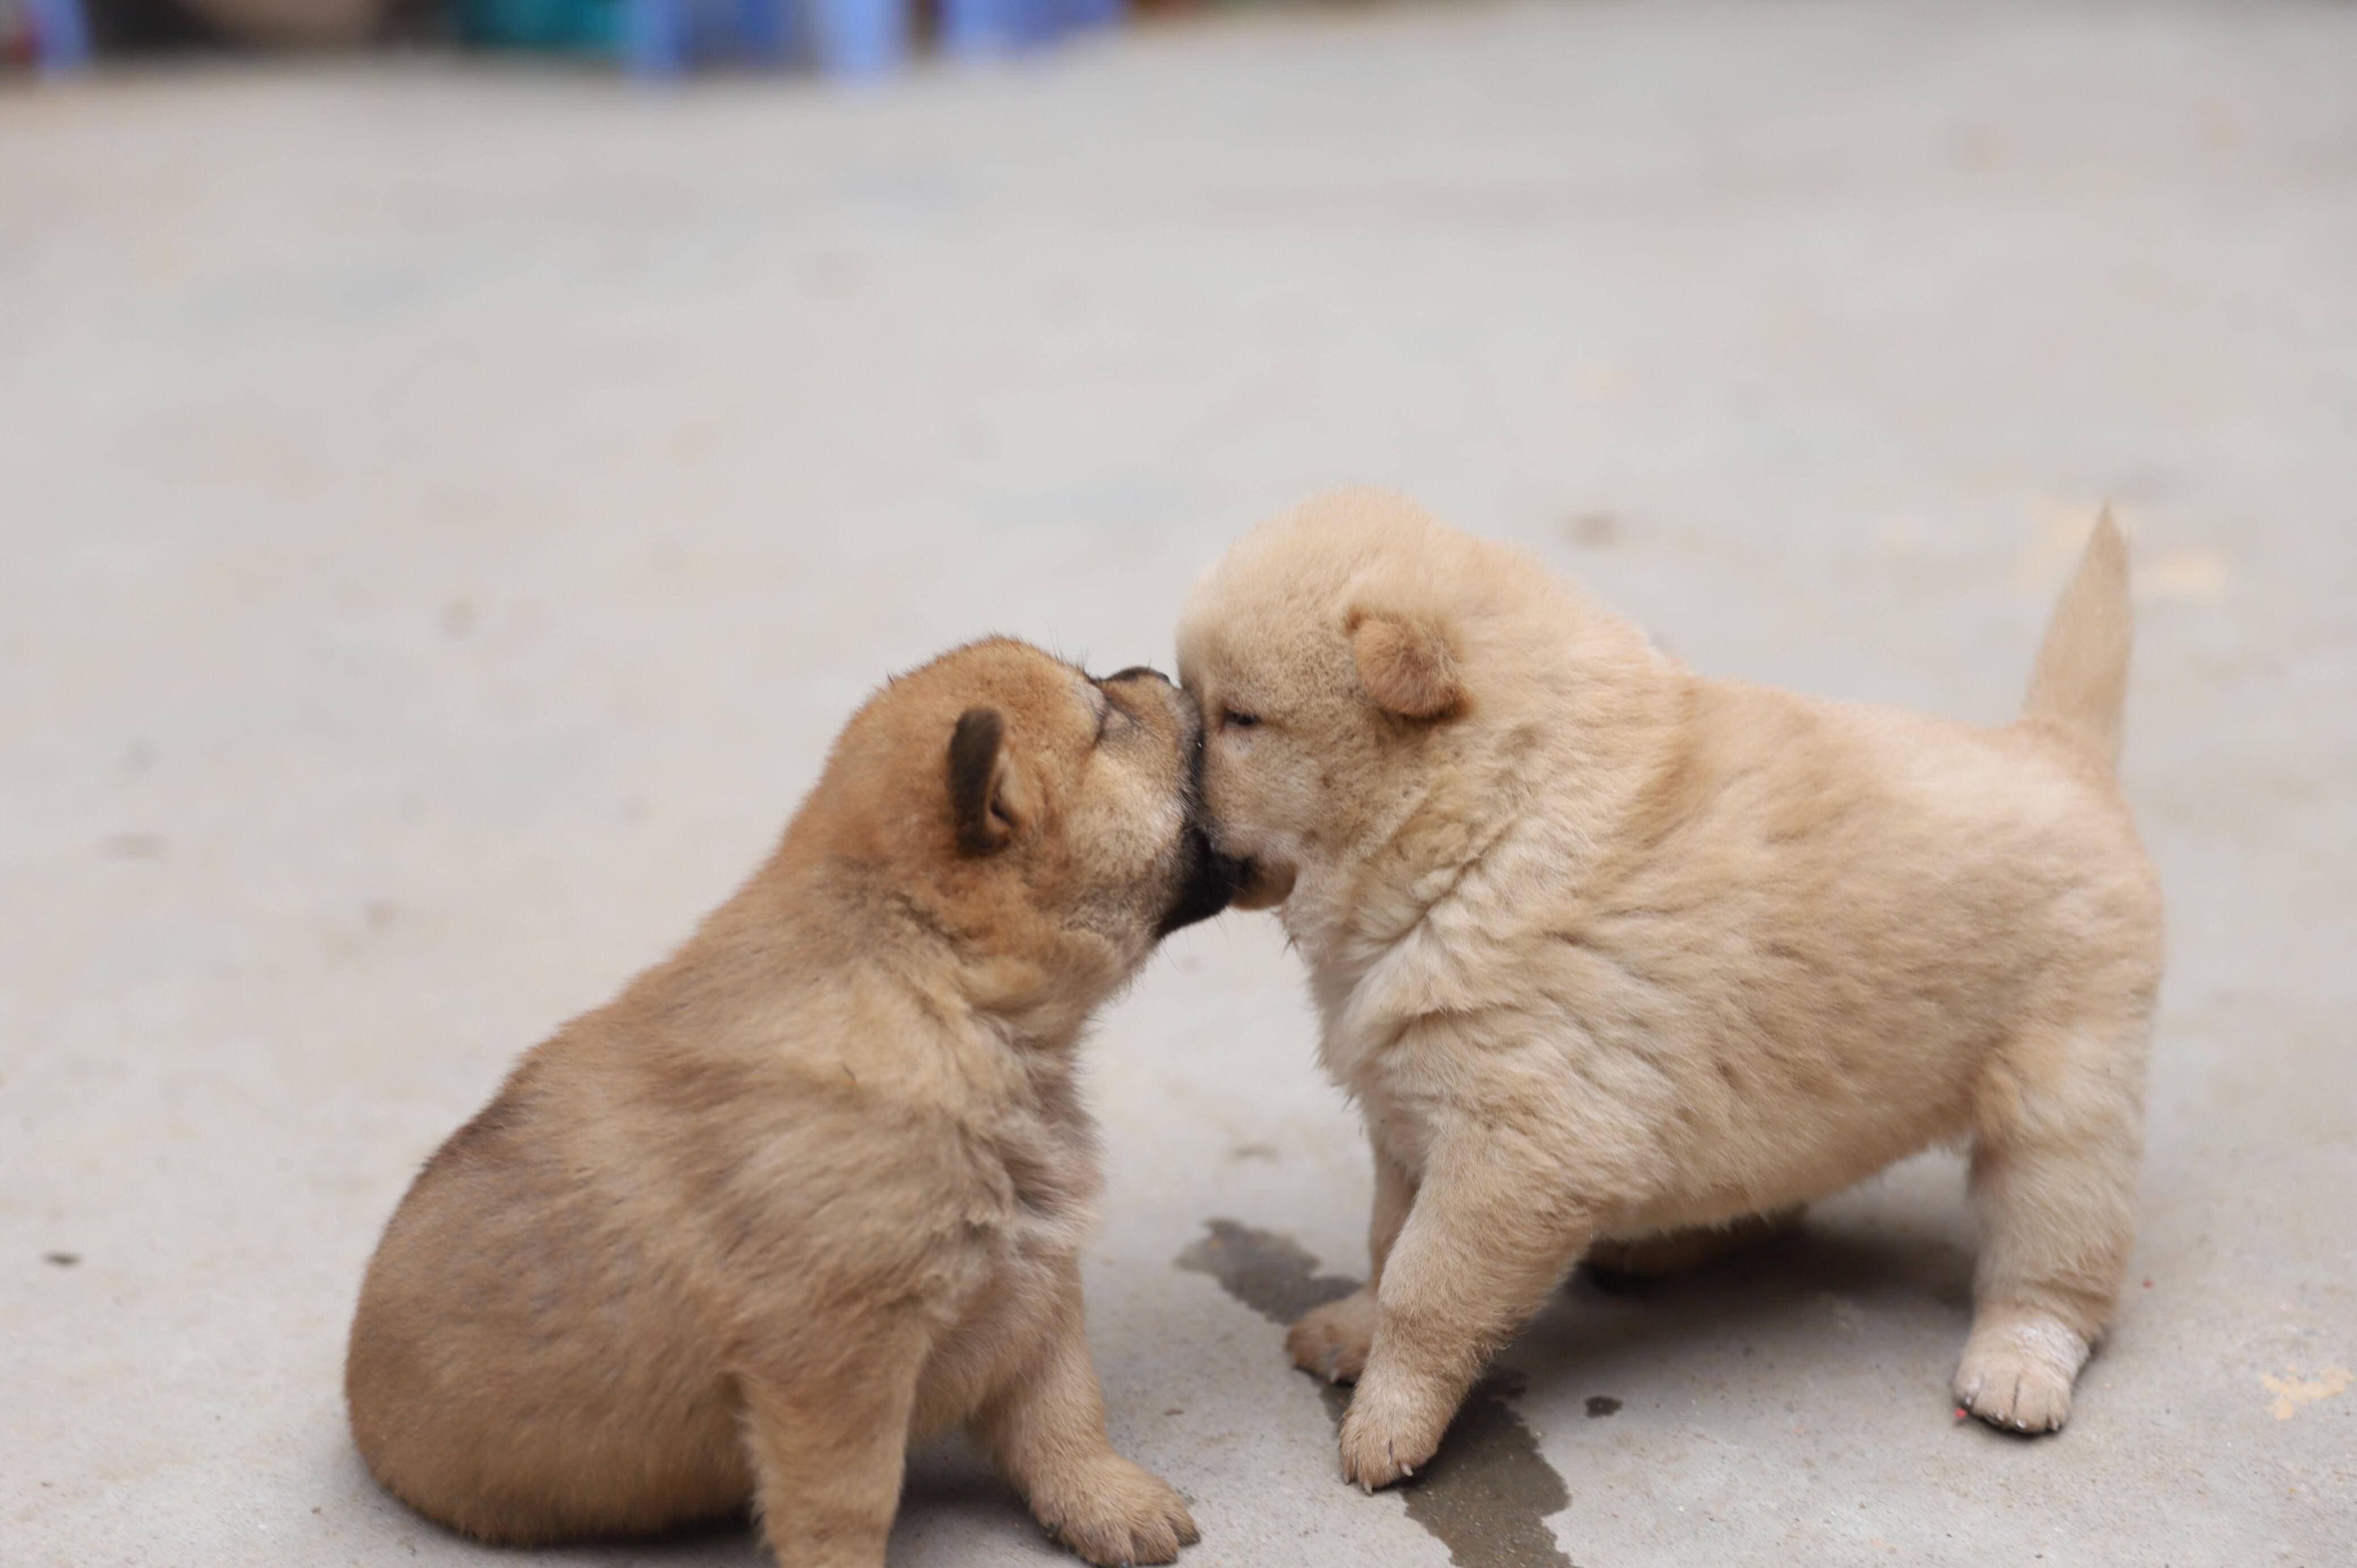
[[983, 27], [855, 40], [60, 35], [766, 30], [663, 38], [1093, 13], [654, 36], [859, 39]]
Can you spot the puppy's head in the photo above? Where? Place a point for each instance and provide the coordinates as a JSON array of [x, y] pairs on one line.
[[1047, 816], [1341, 653]]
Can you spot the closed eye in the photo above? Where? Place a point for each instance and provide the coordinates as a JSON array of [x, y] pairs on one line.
[[1232, 719]]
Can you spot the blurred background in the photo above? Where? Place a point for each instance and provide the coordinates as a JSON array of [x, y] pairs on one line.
[[460, 460], [858, 40]]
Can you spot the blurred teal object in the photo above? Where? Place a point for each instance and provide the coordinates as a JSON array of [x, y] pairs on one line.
[[588, 26]]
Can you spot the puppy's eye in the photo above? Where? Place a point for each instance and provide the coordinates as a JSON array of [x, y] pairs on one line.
[[1231, 719]]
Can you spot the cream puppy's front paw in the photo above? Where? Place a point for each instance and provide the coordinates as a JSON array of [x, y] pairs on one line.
[[1115, 1513], [1332, 1341], [2017, 1370], [1393, 1424]]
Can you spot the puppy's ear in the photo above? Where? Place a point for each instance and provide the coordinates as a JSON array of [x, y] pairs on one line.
[[987, 802], [1404, 664]]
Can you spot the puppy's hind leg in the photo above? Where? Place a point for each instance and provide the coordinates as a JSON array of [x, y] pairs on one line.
[[827, 1452], [2053, 1174]]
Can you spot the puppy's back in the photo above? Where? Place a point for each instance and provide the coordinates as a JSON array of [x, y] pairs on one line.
[[545, 1340], [511, 1275]]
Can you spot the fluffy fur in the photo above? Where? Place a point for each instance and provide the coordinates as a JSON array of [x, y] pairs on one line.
[[1612, 956], [817, 1185]]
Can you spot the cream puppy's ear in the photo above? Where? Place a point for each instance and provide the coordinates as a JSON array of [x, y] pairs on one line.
[[1404, 664], [987, 800]]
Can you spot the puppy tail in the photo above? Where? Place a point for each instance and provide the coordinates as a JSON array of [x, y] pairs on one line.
[[2081, 680]]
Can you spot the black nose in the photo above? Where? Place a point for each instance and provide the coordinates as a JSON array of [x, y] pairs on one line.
[[1209, 882]]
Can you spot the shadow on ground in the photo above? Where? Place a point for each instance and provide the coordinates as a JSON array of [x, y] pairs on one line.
[[1486, 1495]]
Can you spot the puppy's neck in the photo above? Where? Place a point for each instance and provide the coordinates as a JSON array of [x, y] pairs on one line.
[[1028, 983], [1345, 914], [1026, 1005]]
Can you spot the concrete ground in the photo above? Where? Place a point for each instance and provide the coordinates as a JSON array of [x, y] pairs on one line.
[[448, 509]]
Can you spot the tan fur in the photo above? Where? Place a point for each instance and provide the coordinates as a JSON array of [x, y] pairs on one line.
[[2081, 679], [816, 1185], [1606, 950]]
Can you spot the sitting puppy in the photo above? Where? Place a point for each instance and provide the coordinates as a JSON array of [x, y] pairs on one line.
[[816, 1185], [1609, 953]]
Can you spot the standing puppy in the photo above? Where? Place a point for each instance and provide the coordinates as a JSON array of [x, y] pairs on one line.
[[1609, 953], [816, 1185]]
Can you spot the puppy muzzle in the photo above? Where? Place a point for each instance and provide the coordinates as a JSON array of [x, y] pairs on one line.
[[1207, 880], [1207, 884]]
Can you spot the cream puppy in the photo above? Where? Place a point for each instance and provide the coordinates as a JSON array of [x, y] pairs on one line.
[[1610, 953]]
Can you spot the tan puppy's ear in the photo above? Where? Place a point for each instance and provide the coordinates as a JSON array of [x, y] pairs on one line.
[[1404, 664], [987, 800]]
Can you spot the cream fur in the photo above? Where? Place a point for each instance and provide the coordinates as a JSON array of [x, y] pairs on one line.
[[816, 1185], [1606, 951]]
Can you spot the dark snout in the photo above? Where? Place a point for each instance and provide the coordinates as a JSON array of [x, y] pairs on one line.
[[1207, 880], [1206, 883]]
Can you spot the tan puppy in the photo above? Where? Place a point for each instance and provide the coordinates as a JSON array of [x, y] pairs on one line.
[[816, 1185], [1606, 951]]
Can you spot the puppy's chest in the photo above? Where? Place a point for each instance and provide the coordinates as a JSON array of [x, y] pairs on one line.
[[1042, 1185], [1049, 1186], [1355, 1051]]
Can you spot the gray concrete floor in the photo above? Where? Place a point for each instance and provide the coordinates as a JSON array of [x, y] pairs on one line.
[[448, 509]]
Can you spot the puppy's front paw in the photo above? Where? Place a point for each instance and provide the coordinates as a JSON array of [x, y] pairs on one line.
[[2018, 1371], [1393, 1424], [1118, 1514], [1332, 1341]]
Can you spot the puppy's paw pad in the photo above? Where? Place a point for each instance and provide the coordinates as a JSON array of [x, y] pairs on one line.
[[1120, 1515], [2017, 1374], [1331, 1342]]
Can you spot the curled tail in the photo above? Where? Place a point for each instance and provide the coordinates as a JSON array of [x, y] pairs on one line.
[[2081, 679]]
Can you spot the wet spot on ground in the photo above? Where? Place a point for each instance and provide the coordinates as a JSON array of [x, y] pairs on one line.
[[1486, 1495], [1272, 1274]]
